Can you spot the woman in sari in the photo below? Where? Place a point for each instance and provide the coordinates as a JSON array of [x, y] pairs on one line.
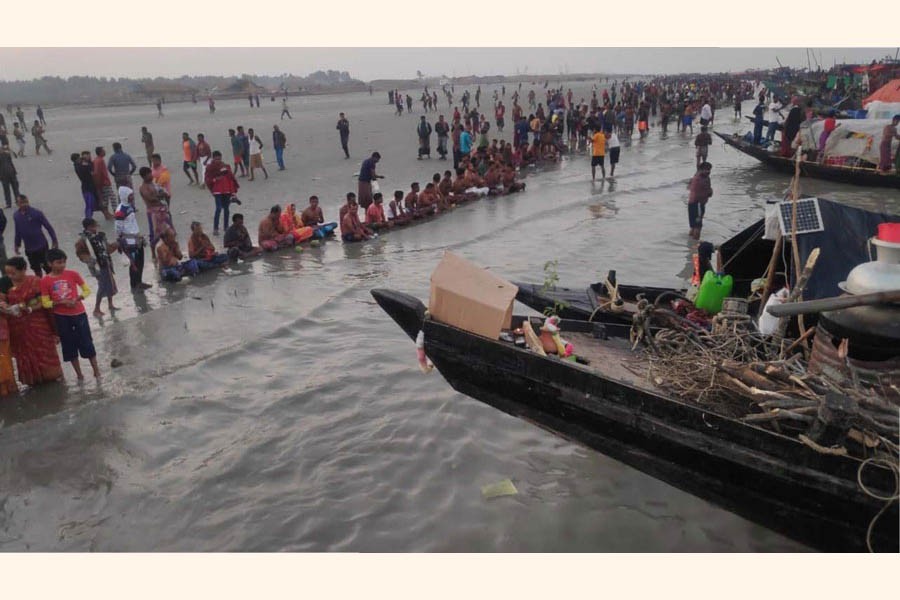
[[290, 222], [32, 338], [7, 375]]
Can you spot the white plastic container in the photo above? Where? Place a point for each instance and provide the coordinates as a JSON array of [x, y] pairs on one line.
[[888, 252]]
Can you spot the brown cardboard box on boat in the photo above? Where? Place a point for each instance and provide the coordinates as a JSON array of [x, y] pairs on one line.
[[469, 297]]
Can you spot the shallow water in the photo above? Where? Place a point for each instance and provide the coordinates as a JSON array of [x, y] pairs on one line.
[[279, 408]]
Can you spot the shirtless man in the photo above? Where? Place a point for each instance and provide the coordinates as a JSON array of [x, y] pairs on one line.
[[411, 202], [312, 215], [351, 200], [268, 236], [156, 200], [427, 202], [201, 249], [237, 240], [446, 186], [351, 229], [459, 184], [204, 156], [442, 201], [169, 255]]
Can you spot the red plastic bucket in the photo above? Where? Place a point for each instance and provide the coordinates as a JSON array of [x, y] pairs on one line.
[[889, 232]]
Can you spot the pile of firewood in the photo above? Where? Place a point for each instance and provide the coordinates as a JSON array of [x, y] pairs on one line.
[[739, 374]]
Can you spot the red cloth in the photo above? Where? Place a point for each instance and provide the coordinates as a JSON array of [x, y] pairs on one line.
[[100, 173], [32, 338], [375, 214], [219, 178]]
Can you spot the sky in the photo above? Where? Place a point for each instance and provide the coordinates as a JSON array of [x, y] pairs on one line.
[[402, 63]]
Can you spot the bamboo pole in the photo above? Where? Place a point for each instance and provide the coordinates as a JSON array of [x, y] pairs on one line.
[[770, 274]]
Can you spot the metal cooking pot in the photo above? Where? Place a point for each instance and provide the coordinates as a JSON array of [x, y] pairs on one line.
[[872, 277]]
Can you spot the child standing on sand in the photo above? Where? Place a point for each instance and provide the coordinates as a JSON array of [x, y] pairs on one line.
[[62, 292]]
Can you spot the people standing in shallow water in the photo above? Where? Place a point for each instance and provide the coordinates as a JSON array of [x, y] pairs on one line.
[[7, 374], [255, 151], [223, 186], [699, 194], [237, 152], [279, 143], [343, 127], [129, 239], [157, 202], [121, 166], [189, 165], [106, 193], [367, 175], [37, 130], [147, 140], [32, 338], [93, 250], [8, 176], [30, 223], [62, 292]]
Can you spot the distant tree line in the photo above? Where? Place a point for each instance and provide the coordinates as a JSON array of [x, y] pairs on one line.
[[91, 90]]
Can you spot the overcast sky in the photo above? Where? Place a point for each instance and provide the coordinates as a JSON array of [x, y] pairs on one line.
[[377, 63]]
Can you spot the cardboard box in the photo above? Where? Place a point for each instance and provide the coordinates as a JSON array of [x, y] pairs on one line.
[[469, 297]]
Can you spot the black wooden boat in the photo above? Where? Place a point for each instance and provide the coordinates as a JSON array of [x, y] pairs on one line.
[[769, 478], [851, 175]]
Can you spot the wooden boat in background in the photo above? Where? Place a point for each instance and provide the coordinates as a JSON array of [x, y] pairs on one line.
[[851, 175]]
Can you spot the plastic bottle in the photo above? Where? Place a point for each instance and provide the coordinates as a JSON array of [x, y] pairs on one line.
[[713, 289]]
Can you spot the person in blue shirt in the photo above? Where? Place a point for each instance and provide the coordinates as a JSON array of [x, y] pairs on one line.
[[122, 166], [465, 141], [522, 130], [366, 176]]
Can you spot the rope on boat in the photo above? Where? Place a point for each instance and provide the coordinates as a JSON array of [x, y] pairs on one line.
[[613, 305], [888, 500], [833, 451]]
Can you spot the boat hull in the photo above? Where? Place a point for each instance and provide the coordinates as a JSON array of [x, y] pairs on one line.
[[771, 479]]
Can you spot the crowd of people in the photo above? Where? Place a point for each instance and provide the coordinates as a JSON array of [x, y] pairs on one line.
[[40, 308]]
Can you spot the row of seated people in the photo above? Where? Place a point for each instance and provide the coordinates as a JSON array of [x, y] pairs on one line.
[[439, 195]]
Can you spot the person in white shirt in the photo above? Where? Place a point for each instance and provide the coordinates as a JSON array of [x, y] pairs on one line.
[[613, 147], [130, 241], [705, 114], [256, 159], [775, 118]]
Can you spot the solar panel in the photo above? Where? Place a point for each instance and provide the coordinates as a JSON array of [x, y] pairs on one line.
[[809, 217]]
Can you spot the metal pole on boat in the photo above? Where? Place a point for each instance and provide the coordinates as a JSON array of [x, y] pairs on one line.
[[837, 303]]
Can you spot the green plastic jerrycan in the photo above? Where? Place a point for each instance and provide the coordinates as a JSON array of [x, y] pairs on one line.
[[713, 289]]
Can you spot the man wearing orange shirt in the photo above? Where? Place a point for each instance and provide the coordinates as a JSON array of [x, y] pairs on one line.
[[598, 154], [190, 158]]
